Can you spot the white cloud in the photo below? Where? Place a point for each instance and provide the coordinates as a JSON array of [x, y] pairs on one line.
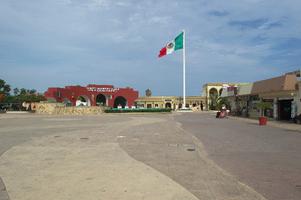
[[160, 20]]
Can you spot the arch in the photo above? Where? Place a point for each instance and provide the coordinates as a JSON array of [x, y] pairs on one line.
[[213, 91], [101, 100], [83, 101], [220, 91], [213, 95], [180, 105], [120, 101], [168, 105]]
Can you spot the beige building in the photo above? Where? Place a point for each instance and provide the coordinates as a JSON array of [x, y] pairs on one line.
[[172, 102], [283, 93]]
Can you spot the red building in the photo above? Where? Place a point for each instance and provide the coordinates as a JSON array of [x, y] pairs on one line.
[[93, 95]]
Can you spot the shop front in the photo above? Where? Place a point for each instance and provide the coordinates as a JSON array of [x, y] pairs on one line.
[[281, 92]]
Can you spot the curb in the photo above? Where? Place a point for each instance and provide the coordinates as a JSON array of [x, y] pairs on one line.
[[275, 124]]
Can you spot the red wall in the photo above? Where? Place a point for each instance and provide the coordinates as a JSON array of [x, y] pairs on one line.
[[91, 91]]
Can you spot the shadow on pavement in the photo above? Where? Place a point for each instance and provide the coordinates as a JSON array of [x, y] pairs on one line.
[[3, 192]]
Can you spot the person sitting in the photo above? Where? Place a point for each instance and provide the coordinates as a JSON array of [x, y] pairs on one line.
[[222, 113]]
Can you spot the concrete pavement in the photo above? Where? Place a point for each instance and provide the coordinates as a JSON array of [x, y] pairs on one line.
[[83, 165], [267, 158], [110, 157]]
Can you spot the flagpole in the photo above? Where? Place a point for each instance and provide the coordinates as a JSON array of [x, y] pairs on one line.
[[184, 71]]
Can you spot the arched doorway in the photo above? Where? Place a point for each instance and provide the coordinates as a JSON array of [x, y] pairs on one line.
[[83, 101], [213, 94], [101, 100], [168, 105], [120, 101], [180, 105]]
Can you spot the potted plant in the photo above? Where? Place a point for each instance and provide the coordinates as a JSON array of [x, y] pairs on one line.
[[263, 106]]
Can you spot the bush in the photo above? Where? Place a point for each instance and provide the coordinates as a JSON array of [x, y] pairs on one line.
[[116, 110], [24, 98]]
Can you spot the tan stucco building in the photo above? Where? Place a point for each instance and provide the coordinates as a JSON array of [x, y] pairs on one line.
[[172, 102], [282, 92]]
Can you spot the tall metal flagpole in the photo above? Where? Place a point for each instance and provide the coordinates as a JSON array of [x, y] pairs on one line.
[[184, 71]]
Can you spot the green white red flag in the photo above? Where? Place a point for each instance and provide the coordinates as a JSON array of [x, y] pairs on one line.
[[172, 46]]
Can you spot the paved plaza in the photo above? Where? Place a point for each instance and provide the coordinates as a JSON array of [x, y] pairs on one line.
[[174, 156]]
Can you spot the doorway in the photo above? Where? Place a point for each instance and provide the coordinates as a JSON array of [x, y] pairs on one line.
[[285, 108]]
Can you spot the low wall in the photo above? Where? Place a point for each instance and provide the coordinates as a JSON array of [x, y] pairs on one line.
[[61, 109]]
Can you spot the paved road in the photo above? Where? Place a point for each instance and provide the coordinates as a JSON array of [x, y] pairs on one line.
[[136, 156], [265, 158]]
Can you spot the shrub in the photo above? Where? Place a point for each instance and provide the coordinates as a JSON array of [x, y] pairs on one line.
[[116, 110]]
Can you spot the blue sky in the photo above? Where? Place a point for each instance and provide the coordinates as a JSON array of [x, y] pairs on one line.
[[53, 43]]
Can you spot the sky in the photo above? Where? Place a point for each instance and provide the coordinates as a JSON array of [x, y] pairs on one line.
[[54, 43]]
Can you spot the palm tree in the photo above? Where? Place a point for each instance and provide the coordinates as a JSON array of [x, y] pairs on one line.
[[222, 101]]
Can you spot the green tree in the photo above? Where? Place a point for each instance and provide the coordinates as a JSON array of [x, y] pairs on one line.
[[20, 95], [16, 91], [23, 91], [32, 91], [24, 98], [4, 88]]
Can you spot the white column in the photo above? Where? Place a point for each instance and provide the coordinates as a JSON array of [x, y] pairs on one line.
[[184, 71]]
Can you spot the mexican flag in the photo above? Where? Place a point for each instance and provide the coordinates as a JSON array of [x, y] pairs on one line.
[[172, 46]]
